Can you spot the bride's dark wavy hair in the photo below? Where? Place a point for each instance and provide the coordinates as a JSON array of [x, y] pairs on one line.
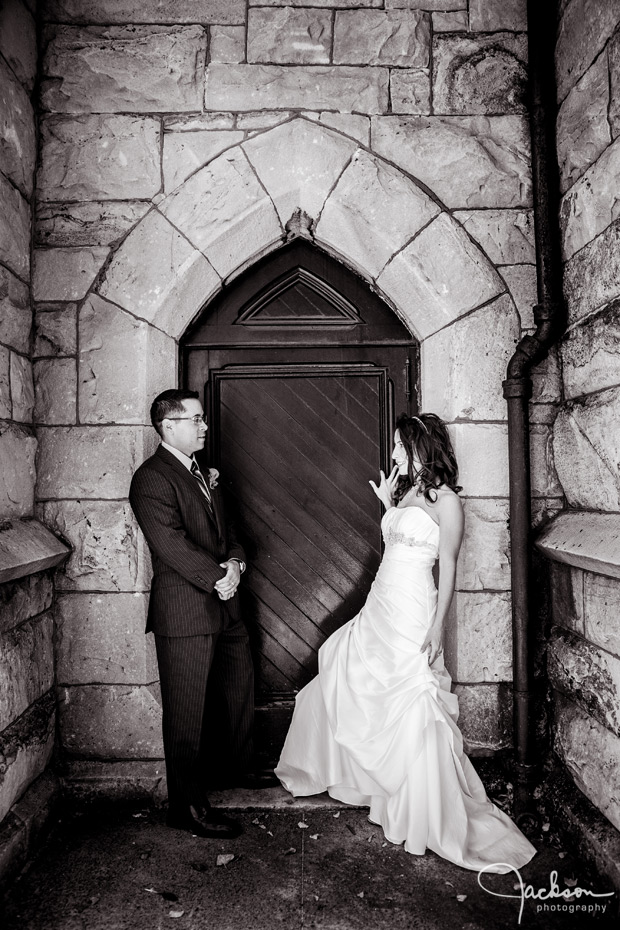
[[425, 437]]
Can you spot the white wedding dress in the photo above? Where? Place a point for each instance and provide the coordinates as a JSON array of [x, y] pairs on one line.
[[377, 726]]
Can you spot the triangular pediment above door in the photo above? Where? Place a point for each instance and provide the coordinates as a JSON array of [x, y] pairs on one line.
[[299, 298]]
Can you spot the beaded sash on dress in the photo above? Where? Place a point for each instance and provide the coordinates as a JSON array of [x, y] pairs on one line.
[[392, 538]]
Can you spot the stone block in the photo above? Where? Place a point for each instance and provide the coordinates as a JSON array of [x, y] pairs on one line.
[[478, 637], [22, 388], [358, 217], [567, 597], [468, 161], [14, 230], [199, 122], [112, 388], [26, 749], [545, 509], [18, 40], [185, 152], [55, 329], [410, 91], [484, 560], [6, 411], [591, 754], [86, 461], [298, 164], [37, 807], [264, 119], [17, 131], [582, 128], [225, 212], [100, 638], [583, 31], [164, 11], [480, 74], [543, 474], [591, 204], [164, 291], [614, 84], [547, 380], [586, 443], [522, 284], [350, 124], [110, 69], [27, 547], [586, 540], [289, 36], [374, 37], [65, 274], [601, 597], [485, 717], [591, 276], [26, 667], [23, 599], [99, 157], [321, 87], [464, 364], [114, 721], [108, 554], [507, 236], [481, 450], [492, 15], [590, 353], [227, 44], [84, 780], [15, 313], [445, 5], [439, 277], [587, 674], [17, 474], [75, 224], [457, 21]]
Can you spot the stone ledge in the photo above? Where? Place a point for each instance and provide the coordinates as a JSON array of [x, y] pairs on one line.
[[590, 541], [26, 547], [23, 828]]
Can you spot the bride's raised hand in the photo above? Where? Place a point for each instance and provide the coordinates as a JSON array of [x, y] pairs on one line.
[[386, 488]]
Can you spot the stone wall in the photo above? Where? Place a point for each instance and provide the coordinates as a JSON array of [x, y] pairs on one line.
[[27, 550], [176, 141], [584, 655]]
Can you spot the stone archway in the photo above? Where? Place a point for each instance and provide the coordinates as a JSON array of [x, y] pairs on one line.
[[396, 235]]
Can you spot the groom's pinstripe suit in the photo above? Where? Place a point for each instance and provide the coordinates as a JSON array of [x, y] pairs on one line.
[[203, 653]]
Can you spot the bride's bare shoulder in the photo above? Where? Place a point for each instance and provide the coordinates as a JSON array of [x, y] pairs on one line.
[[448, 502]]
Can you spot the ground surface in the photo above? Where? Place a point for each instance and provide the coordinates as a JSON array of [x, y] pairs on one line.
[[318, 865]]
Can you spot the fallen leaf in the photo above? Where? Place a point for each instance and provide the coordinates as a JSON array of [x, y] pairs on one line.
[[224, 858], [562, 855], [314, 836], [138, 815], [94, 898], [545, 827], [256, 820], [370, 838], [176, 913], [262, 826], [385, 844], [336, 815], [449, 883], [361, 894], [269, 833], [152, 890], [570, 882], [461, 897], [316, 897], [290, 851], [302, 825]]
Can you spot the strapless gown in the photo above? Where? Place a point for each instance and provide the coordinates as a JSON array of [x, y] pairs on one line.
[[378, 726]]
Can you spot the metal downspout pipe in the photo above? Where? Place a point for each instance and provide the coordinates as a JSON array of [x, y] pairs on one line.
[[549, 316]]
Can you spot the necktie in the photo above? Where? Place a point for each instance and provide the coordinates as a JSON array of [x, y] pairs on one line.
[[202, 484]]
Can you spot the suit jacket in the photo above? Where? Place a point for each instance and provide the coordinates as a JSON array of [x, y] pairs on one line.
[[187, 544]]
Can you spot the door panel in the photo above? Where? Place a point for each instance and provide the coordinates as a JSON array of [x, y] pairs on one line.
[[298, 445]]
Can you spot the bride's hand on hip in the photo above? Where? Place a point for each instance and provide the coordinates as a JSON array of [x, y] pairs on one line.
[[386, 488]]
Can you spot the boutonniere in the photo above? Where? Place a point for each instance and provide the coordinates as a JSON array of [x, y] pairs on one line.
[[213, 476]]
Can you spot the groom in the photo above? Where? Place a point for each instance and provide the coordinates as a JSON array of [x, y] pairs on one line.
[[203, 653]]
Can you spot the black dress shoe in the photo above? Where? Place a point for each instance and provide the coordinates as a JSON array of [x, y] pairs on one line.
[[204, 822]]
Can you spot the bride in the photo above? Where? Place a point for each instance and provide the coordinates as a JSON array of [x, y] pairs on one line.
[[377, 726]]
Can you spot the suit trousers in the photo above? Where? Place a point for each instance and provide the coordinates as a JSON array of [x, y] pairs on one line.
[[207, 689]]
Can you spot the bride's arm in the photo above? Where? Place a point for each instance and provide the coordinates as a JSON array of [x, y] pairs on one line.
[[450, 515]]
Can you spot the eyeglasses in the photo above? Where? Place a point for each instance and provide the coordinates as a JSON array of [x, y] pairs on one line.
[[197, 420]]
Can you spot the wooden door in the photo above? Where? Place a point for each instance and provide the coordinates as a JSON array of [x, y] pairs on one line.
[[298, 426]]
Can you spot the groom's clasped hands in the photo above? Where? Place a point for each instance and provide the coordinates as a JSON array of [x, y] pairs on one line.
[[227, 585]]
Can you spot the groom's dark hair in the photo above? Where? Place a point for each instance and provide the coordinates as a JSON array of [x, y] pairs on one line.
[[168, 403]]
